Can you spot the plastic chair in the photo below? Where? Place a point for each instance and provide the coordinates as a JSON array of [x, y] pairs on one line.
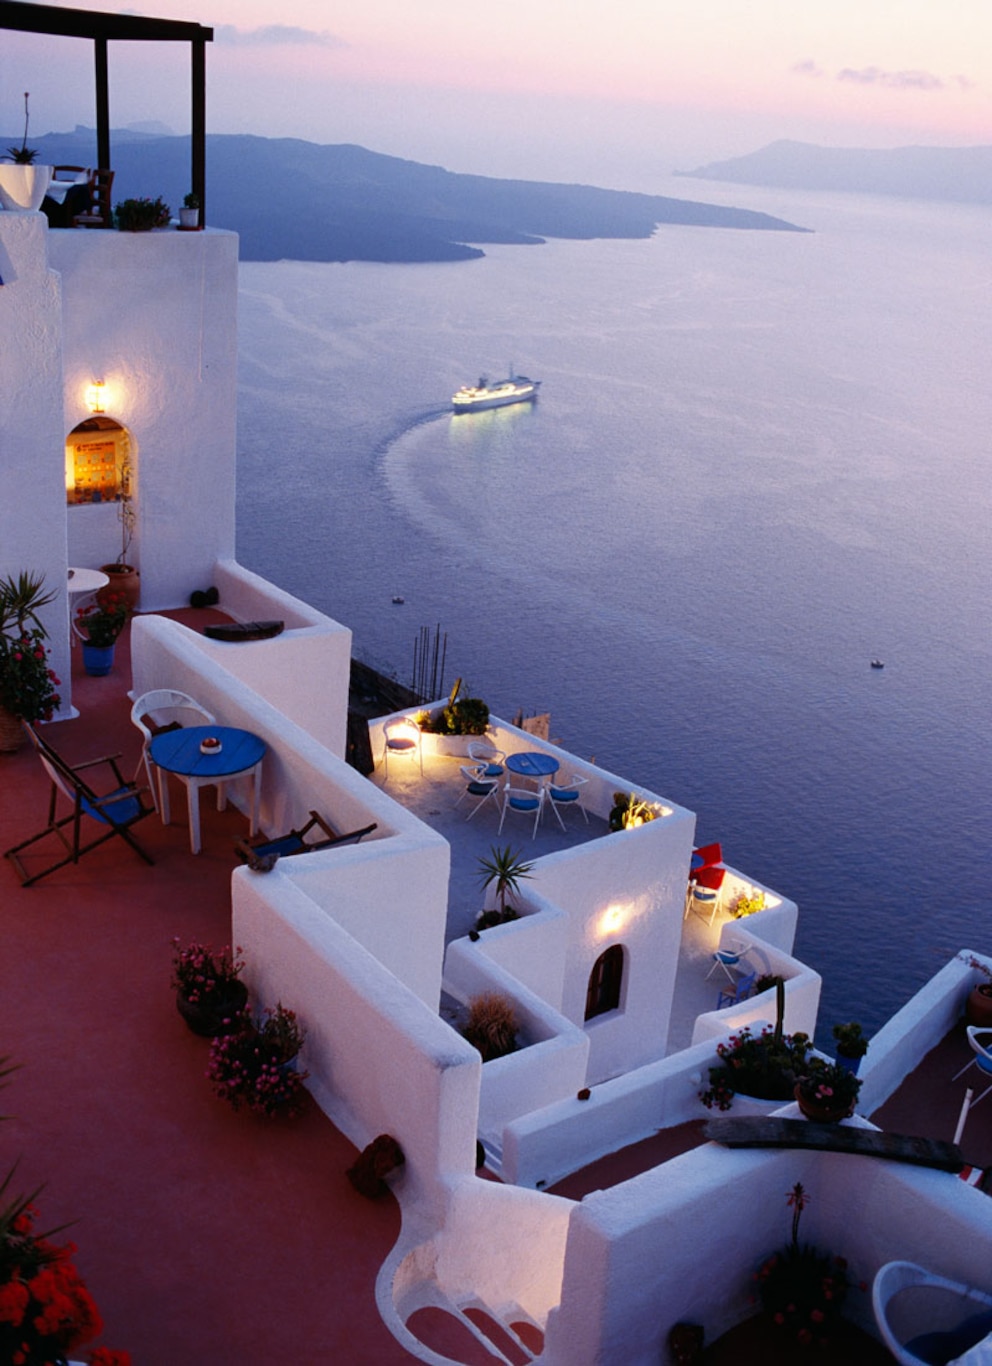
[[706, 856], [481, 752], [480, 786], [727, 958], [705, 891], [925, 1318], [523, 800], [154, 712], [567, 794], [401, 740], [982, 1059], [116, 810]]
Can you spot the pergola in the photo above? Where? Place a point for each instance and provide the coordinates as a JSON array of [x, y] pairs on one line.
[[102, 28]]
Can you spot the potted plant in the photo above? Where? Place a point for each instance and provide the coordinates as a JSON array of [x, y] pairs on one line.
[[209, 992], [141, 215], [978, 1007], [491, 1026], [464, 718], [827, 1092], [629, 811], [23, 184], [27, 682], [189, 214], [98, 626], [124, 577], [764, 1066], [851, 1044], [504, 868], [802, 1290], [254, 1065]]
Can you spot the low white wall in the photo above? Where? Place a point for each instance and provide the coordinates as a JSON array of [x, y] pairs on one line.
[[775, 925], [379, 1060], [631, 1272], [553, 1064], [902, 1043], [802, 989]]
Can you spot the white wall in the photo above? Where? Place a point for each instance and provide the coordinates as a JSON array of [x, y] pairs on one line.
[[154, 315], [32, 447]]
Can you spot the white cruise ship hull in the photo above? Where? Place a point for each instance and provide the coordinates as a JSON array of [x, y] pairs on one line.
[[475, 398]]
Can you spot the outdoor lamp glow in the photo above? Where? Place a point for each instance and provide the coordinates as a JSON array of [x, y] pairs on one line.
[[96, 396]]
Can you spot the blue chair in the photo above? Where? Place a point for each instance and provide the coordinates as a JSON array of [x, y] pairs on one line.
[[478, 785], [523, 800], [982, 1059], [482, 752], [567, 794], [742, 990], [726, 959]]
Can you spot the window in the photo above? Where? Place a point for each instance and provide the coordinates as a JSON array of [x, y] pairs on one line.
[[603, 992]]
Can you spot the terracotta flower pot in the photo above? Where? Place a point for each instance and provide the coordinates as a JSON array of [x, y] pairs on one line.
[[820, 1111], [212, 1017], [124, 578], [978, 1007]]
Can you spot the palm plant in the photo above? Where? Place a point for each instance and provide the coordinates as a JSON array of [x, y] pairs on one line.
[[504, 868]]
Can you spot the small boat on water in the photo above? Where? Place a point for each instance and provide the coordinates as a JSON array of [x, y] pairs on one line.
[[471, 398]]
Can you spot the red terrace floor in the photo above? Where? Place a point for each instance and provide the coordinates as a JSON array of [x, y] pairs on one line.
[[205, 1236]]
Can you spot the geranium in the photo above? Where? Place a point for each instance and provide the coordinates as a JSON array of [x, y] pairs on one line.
[[27, 683], [829, 1083], [255, 1065], [102, 622], [202, 975], [45, 1307]]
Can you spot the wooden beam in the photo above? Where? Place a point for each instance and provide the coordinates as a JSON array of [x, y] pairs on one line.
[[765, 1131], [82, 23]]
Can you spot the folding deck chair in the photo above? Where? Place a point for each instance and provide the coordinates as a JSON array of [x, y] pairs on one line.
[[116, 810], [261, 854]]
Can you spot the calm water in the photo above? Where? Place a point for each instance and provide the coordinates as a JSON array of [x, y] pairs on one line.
[[758, 461]]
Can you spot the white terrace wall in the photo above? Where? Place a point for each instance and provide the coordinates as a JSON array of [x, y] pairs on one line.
[[32, 437], [802, 988], [380, 1061], [154, 315], [371, 881], [633, 1266]]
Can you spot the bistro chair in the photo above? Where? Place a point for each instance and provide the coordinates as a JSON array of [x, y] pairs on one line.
[[982, 1059], [160, 710], [728, 959], [479, 786], [925, 1318], [401, 740], [566, 794], [116, 810], [525, 801], [482, 752]]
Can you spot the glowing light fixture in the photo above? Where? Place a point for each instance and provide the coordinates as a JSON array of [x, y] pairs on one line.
[[96, 396]]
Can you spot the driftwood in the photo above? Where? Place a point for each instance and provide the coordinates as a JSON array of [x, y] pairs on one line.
[[382, 1156], [765, 1131]]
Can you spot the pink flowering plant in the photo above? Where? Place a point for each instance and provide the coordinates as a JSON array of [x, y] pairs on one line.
[[766, 1065], [830, 1084], [102, 622], [203, 975], [254, 1067], [27, 682], [801, 1289]]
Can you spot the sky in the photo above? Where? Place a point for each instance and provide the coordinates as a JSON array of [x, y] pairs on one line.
[[611, 92]]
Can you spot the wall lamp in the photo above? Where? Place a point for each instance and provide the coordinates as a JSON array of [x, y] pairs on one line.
[[96, 396]]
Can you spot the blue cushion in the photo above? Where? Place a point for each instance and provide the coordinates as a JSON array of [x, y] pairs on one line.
[[524, 803], [480, 789], [401, 744], [493, 771], [564, 794]]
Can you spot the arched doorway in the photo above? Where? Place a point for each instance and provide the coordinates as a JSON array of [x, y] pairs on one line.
[[605, 982]]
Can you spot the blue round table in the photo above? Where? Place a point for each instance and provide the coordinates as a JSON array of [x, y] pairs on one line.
[[178, 751]]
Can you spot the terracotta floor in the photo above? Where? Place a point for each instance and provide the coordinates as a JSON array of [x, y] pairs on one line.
[[205, 1236]]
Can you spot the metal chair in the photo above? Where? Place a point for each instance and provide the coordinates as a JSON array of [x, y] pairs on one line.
[[727, 958], [925, 1318], [482, 752], [705, 892], [479, 786], [982, 1059], [525, 801], [156, 711], [401, 740], [567, 794], [115, 810], [742, 989]]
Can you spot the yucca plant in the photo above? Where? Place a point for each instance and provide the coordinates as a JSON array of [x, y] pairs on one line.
[[491, 1025]]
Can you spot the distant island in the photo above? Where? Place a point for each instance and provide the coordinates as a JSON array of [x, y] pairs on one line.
[[958, 175], [303, 201]]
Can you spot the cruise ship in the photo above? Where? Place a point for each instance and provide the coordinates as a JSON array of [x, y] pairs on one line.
[[472, 398], [561, 1204]]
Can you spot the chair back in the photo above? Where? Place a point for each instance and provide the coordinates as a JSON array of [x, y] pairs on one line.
[[99, 213], [707, 855], [982, 1051], [710, 879], [488, 756], [62, 776], [167, 707]]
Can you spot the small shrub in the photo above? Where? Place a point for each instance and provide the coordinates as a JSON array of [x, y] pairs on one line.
[[492, 1025], [630, 811]]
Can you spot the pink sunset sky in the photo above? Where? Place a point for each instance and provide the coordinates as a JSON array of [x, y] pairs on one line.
[[612, 92]]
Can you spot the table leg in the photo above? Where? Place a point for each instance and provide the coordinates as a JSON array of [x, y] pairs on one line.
[[193, 803], [256, 796]]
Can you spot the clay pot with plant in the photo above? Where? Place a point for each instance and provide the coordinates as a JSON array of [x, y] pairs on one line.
[[851, 1044], [125, 578], [978, 1007]]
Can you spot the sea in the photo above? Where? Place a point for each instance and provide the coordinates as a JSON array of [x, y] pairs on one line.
[[759, 462]]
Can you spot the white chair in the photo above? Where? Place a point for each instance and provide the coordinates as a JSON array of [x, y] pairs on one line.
[[706, 892], [478, 786], [401, 740], [728, 958], [923, 1317], [567, 794], [158, 710], [482, 752], [982, 1059], [525, 801]]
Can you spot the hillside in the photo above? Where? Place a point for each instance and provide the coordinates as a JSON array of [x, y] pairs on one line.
[[960, 175], [304, 201]]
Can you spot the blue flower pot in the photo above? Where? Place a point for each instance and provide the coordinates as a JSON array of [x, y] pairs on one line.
[[98, 659]]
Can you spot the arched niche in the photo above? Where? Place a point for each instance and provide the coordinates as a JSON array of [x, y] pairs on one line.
[[97, 462]]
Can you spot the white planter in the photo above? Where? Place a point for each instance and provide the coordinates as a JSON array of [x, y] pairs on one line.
[[22, 188], [454, 746], [189, 219]]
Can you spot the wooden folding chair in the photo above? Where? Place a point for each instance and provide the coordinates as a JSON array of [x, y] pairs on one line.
[[116, 810], [262, 853]]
